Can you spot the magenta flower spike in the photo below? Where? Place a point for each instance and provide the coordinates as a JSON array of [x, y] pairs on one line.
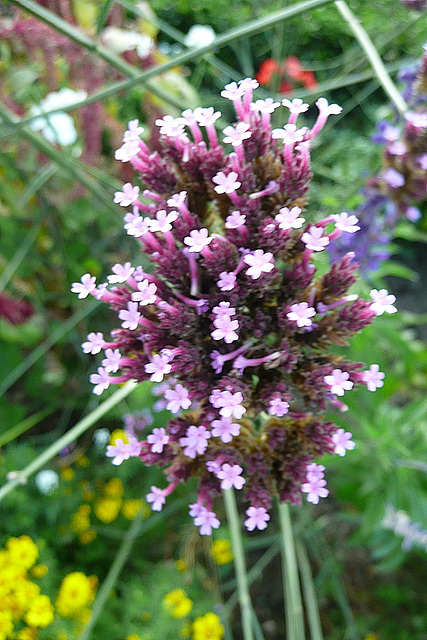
[[233, 321]]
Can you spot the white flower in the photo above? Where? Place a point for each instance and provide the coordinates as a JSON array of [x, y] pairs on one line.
[[199, 35], [57, 128]]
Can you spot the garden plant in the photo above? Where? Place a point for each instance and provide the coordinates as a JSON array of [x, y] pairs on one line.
[[213, 421]]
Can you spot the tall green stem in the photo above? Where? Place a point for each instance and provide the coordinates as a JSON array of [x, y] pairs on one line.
[[71, 435], [372, 55], [293, 604], [239, 564]]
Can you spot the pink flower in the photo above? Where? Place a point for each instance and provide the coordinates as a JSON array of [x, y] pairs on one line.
[[382, 301], [227, 281], [278, 407], [225, 329], [207, 521], [121, 273], [289, 218], [127, 151], [101, 380], [207, 116], [296, 106], [157, 497], [130, 316], [235, 220], [342, 441], [163, 220], [85, 287], [136, 225], [178, 199], [112, 361], [265, 106], [171, 127], [347, 223], [146, 293], [259, 263], [119, 451], [231, 476], [159, 366], [315, 490], [195, 441], [232, 91], [315, 471], [339, 382], [177, 399], [94, 344], [128, 196], [258, 518], [373, 377], [226, 183], [196, 509], [225, 429], [290, 134], [197, 240], [326, 108], [314, 239], [229, 404], [224, 309], [236, 135], [301, 314], [158, 439]]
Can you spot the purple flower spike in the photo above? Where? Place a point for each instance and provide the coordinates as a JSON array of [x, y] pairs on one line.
[[232, 319]]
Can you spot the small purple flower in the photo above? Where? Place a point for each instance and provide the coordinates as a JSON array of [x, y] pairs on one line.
[[235, 220], [119, 451], [163, 221], [195, 441], [112, 361], [345, 222], [225, 329], [342, 442], [314, 239], [177, 399], [198, 240], [229, 404], [393, 178], [373, 377], [130, 316], [236, 135], [225, 429], [227, 281], [101, 380], [207, 521], [278, 407], [121, 273], [289, 218], [315, 471], [158, 367], [259, 263], [85, 287], [157, 498], [158, 439], [128, 196], [231, 476], [382, 301], [226, 183], [339, 382], [94, 344], [315, 490], [257, 518], [146, 293], [301, 313]]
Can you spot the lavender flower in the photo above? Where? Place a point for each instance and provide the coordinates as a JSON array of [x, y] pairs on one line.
[[401, 185], [233, 321]]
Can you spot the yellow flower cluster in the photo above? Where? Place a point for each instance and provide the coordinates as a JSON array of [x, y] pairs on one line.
[[208, 627], [221, 552], [76, 592], [177, 604], [21, 602]]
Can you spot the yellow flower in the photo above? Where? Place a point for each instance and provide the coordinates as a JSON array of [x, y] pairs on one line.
[[208, 627], [75, 592], [40, 613], [371, 636], [6, 624], [221, 552], [22, 551], [39, 571], [87, 536], [130, 508], [118, 434], [114, 488], [24, 592], [107, 509], [67, 474], [181, 565], [185, 631], [27, 633], [132, 636], [177, 604], [83, 461]]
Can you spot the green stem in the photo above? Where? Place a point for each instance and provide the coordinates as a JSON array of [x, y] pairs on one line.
[[293, 604], [23, 426], [239, 564], [310, 597], [372, 55], [249, 29], [71, 435]]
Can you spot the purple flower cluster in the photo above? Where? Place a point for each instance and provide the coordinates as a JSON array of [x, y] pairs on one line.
[[402, 182], [416, 5], [233, 322]]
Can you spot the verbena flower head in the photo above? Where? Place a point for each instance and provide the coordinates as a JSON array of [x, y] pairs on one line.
[[233, 321]]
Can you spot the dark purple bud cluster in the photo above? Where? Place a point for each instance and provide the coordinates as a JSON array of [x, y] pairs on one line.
[[401, 186], [233, 322]]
